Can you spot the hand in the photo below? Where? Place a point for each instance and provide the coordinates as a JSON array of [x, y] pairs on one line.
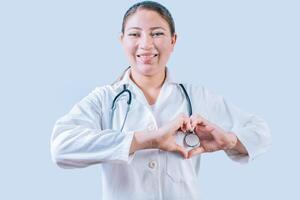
[[212, 137], [166, 134]]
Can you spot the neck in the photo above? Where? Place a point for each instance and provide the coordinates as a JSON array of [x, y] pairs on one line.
[[148, 82]]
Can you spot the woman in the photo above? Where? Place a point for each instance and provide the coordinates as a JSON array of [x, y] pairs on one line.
[[135, 128]]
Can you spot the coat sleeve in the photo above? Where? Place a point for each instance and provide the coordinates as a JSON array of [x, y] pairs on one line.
[[78, 139], [252, 131]]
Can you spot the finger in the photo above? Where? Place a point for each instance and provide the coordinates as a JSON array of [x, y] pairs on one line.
[[199, 120], [211, 146], [185, 123], [198, 150], [188, 124], [196, 120], [176, 123], [217, 133], [205, 129], [204, 132], [223, 139], [181, 150], [180, 119]]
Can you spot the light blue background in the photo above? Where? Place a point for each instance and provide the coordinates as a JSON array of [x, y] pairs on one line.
[[53, 53]]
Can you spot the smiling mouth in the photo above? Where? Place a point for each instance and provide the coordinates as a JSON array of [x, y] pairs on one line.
[[147, 55]]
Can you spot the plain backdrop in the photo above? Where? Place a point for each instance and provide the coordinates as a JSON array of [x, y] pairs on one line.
[[53, 53]]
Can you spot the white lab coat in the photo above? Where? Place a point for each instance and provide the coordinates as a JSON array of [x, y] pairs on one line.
[[85, 137]]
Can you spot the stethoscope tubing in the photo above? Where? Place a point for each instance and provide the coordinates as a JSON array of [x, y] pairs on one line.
[[190, 110]]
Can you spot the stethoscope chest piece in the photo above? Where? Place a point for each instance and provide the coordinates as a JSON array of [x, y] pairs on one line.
[[191, 140]]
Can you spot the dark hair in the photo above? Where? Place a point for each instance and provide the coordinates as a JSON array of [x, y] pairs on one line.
[[154, 6]]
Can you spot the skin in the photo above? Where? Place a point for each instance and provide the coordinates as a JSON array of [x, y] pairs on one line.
[[148, 44]]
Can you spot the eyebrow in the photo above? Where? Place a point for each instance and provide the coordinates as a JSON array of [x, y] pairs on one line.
[[152, 28]]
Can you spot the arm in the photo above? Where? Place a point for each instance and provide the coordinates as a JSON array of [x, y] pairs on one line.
[[239, 147], [252, 132], [143, 140], [164, 137], [78, 139]]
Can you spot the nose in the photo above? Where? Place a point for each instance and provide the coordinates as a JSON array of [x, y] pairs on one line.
[[146, 42]]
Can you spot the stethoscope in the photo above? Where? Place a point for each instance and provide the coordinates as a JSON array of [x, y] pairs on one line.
[[190, 138]]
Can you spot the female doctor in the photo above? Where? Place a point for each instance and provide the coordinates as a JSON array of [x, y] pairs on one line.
[[147, 131]]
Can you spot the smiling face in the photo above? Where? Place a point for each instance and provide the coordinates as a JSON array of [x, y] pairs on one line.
[[147, 42]]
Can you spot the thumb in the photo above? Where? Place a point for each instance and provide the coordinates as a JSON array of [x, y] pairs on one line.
[[196, 151], [181, 150], [182, 123]]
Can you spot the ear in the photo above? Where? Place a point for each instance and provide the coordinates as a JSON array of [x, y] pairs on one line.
[[173, 40], [121, 37]]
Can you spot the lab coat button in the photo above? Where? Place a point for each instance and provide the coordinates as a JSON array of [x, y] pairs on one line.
[[152, 164]]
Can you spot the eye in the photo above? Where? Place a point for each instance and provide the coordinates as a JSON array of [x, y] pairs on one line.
[[133, 34], [157, 34]]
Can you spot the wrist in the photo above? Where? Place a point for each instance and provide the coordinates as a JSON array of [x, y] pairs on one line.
[[233, 141], [238, 146], [143, 140]]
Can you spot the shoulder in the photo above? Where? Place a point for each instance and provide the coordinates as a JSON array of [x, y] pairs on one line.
[[99, 95], [102, 91]]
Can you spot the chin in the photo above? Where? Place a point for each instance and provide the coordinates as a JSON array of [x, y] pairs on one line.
[[147, 70]]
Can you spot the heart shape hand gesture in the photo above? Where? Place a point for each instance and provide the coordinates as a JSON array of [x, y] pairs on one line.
[[212, 137]]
